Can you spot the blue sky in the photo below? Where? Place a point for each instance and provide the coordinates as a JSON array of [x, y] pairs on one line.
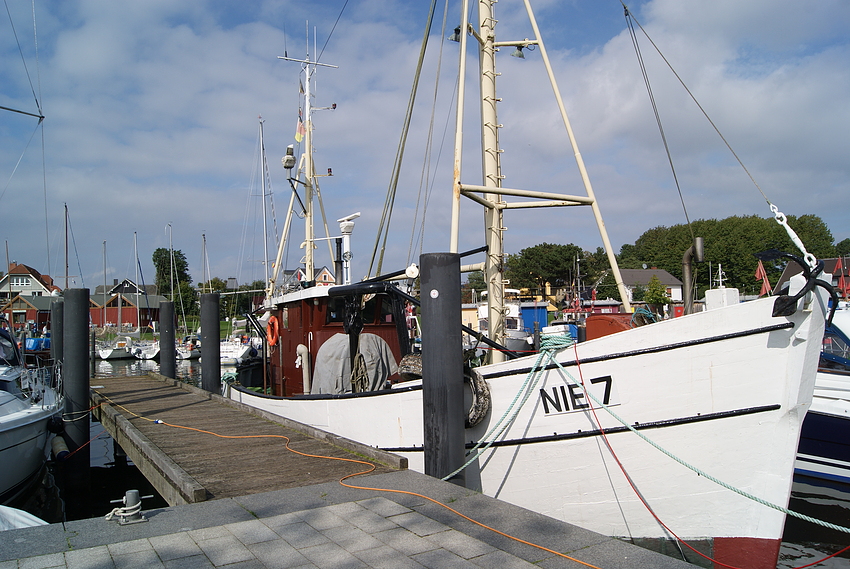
[[152, 120]]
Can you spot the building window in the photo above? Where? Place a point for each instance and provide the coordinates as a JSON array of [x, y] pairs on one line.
[[20, 281]]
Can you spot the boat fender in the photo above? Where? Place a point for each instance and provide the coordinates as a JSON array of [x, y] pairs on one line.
[[304, 360], [272, 331], [60, 447], [480, 398], [411, 368]]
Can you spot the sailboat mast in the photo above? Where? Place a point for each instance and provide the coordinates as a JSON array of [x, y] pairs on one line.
[[138, 311], [66, 246], [263, 173]]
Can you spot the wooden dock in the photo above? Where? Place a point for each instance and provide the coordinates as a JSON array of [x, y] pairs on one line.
[[187, 465]]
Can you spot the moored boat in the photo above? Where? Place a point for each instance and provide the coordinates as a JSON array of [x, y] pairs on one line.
[[626, 434], [30, 413], [824, 450]]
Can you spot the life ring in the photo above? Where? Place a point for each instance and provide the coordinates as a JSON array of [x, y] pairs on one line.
[[272, 331]]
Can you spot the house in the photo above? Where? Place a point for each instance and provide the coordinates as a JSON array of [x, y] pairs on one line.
[[633, 278], [125, 304], [836, 266], [28, 312], [25, 281]]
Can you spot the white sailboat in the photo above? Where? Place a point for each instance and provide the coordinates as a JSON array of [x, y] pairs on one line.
[[626, 434], [29, 401]]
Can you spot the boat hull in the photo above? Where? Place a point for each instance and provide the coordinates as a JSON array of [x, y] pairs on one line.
[[824, 450], [724, 390], [24, 445]]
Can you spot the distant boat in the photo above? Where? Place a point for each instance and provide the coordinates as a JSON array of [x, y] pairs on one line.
[[119, 349]]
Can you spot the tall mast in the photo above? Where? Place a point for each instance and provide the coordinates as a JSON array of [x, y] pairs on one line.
[[66, 246], [309, 170], [263, 172], [138, 311], [491, 192]]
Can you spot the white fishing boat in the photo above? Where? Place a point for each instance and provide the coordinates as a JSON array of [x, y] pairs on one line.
[[30, 412], [628, 434]]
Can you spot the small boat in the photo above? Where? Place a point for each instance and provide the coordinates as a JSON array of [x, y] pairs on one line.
[[237, 350], [189, 348], [517, 337], [146, 350], [13, 518], [824, 450], [119, 349], [30, 413]]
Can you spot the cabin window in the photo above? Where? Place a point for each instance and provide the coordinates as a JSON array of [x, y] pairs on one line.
[[836, 346], [335, 310], [284, 317]]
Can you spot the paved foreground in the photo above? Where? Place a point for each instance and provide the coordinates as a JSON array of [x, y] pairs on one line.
[[327, 526]]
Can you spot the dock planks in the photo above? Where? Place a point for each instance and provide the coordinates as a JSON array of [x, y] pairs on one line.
[[219, 467]]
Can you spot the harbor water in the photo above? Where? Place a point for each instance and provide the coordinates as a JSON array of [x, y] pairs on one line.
[[112, 474]]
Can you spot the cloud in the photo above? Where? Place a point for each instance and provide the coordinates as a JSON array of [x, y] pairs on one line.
[[152, 118]]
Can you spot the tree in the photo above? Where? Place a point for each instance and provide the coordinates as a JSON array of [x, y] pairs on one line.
[[474, 284], [656, 293], [537, 266], [842, 248], [162, 264]]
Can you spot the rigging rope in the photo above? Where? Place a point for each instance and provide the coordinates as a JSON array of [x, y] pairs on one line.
[[780, 218], [386, 215]]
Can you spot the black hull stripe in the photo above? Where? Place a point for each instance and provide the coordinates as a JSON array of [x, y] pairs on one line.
[[612, 430], [653, 350]]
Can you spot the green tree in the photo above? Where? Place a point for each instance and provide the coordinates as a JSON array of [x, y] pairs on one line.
[[656, 293], [843, 247], [537, 266], [474, 284], [164, 275]]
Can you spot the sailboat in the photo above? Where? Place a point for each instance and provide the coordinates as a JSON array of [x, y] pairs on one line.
[[669, 431]]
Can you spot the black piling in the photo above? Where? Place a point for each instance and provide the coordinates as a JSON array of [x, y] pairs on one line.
[[75, 370], [167, 345], [442, 365], [57, 321], [210, 343]]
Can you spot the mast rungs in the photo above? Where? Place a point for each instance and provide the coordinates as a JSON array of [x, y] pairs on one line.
[[550, 203], [465, 189]]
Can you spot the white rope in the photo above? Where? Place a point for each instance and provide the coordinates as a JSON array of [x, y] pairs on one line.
[[124, 512]]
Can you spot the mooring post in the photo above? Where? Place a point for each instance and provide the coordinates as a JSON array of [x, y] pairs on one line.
[[57, 321], [75, 370], [442, 365], [167, 346], [210, 347]]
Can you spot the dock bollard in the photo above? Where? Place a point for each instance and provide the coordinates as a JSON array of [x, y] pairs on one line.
[[131, 513]]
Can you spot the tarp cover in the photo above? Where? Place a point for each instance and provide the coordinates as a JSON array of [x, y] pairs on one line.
[[332, 372]]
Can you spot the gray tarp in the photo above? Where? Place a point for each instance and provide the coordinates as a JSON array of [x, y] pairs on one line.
[[332, 369]]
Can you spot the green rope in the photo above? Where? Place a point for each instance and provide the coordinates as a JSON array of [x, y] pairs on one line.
[[550, 345]]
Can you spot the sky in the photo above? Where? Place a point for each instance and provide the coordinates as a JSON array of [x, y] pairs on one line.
[[151, 128]]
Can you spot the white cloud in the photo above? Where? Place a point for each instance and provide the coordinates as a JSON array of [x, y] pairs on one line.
[[152, 119]]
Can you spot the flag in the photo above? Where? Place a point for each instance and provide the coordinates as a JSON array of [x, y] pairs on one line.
[[299, 131], [842, 282], [761, 275]]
